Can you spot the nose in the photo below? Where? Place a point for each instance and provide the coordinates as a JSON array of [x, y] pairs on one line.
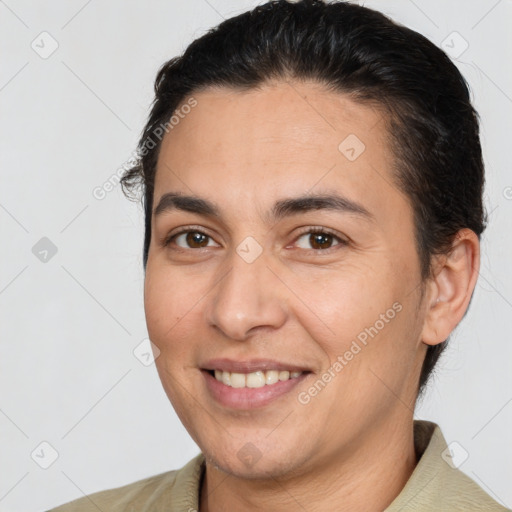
[[248, 298]]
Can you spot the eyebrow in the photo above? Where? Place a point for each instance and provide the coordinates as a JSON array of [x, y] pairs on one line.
[[173, 201]]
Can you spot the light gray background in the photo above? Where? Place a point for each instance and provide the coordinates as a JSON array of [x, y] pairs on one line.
[[68, 374]]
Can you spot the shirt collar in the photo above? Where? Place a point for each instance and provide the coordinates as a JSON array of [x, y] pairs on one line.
[[433, 473]]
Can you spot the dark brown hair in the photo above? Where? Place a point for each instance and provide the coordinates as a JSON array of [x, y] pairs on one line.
[[433, 128]]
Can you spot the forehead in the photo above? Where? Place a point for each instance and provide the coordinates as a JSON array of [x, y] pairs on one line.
[[280, 139]]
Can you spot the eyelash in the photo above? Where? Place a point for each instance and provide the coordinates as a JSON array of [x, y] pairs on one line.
[[310, 230]]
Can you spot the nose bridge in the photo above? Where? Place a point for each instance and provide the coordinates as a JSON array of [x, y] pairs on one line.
[[247, 296]]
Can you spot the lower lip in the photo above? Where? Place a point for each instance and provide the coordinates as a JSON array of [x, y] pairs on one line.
[[249, 398]]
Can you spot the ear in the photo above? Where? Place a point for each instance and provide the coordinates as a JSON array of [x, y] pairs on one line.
[[451, 287]]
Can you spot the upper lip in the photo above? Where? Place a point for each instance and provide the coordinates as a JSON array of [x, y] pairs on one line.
[[251, 365]]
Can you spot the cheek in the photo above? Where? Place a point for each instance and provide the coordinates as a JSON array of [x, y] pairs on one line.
[[170, 302], [364, 322], [342, 304]]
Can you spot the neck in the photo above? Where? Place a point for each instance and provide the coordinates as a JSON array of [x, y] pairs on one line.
[[367, 480]]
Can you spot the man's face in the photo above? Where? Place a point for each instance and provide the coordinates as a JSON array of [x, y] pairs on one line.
[[252, 290]]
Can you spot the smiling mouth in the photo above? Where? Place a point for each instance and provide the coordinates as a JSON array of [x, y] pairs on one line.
[[256, 379]]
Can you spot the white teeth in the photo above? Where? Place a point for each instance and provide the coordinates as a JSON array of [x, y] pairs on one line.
[[284, 375], [226, 378], [256, 379], [237, 380], [271, 376]]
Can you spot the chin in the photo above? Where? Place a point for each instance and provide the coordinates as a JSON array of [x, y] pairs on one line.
[[251, 470], [257, 459]]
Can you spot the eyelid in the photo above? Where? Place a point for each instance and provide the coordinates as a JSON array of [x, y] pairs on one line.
[[166, 240], [342, 240]]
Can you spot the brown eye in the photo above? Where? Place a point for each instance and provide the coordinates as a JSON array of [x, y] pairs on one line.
[[318, 240], [196, 239], [191, 240]]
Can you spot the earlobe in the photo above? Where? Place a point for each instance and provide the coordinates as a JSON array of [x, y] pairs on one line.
[[451, 287]]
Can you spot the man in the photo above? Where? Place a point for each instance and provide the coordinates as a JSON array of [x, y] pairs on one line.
[[312, 179]]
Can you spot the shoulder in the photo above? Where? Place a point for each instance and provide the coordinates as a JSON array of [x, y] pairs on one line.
[[169, 491], [437, 483], [463, 493]]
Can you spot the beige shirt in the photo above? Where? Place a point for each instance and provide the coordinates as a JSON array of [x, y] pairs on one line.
[[434, 485]]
